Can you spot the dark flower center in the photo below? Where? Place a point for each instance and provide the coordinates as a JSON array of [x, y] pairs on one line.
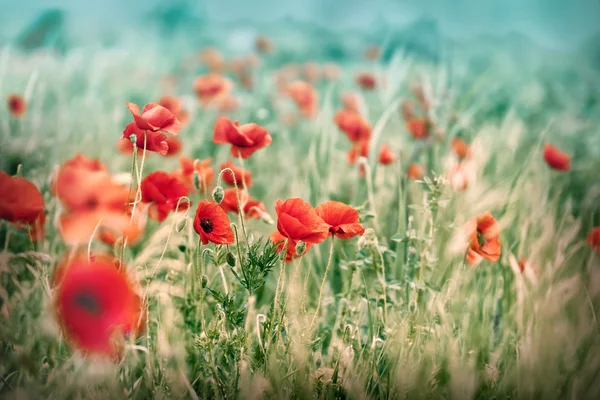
[[91, 203], [88, 302], [480, 238], [207, 225]]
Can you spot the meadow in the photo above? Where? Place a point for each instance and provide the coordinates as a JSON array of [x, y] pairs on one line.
[[419, 293]]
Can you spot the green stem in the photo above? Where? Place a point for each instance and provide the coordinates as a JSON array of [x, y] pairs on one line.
[[314, 318], [237, 196]]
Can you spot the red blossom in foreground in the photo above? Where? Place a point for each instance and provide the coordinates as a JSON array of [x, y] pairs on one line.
[[353, 125], [593, 238], [154, 118], [242, 176], [96, 304], [163, 192], [212, 224], [151, 141], [386, 156], [244, 139], [251, 207], [305, 96], [291, 254], [16, 105], [556, 159], [22, 203], [483, 232], [342, 219], [297, 220]]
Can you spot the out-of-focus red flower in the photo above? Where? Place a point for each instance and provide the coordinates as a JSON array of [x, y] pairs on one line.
[[241, 175], [407, 110], [311, 72], [154, 118], [419, 93], [386, 156], [372, 53], [291, 254], [461, 148], [305, 96], [366, 81], [415, 171], [342, 219], [483, 232], [96, 303], [210, 87], [174, 105], [174, 143], [185, 173], [353, 125], [297, 220], [556, 159], [163, 192], [458, 177], [227, 103], [213, 59], [360, 149], [331, 72], [79, 160], [22, 203], [244, 139], [212, 224], [252, 208], [593, 238], [419, 128], [264, 45], [16, 105], [351, 102]]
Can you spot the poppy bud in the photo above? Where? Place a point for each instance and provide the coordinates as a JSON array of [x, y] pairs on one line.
[[300, 247], [133, 138], [182, 248], [218, 194], [204, 281], [230, 259], [181, 225], [196, 180]]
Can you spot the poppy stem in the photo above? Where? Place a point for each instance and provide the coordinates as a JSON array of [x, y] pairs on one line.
[[200, 267], [279, 286], [362, 161], [237, 197], [239, 251], [243, 175], [314, 318]]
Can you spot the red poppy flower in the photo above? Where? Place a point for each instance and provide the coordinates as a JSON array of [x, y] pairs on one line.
[[81, 161], [593, 238], [153, 141], [461, 148], [342, 219], [353, 125], [297, 220], [211, 86], [264, 45], [386, 156], [556, 159], [291, 254], [419, 128], [16, 105], [227, 103], [154, 118], [415, 171], [360, 149], [252, 208], [174, 143], [22, 203], [125, 146], [351, 102], [483, 231], [212, 224], [163, 191], [96, 303], [366, 81], [241, 175], [185, 174], [244, 139], [305, 96], [174, 105]]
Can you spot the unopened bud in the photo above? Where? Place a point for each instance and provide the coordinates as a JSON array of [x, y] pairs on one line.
[[196, 180], [230, 259], [204, 280], [182, 248], [181, 225], [218, 194], [300, 247], [133, 138]]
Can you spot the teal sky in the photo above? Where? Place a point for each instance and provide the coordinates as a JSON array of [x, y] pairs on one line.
[[556, 23]]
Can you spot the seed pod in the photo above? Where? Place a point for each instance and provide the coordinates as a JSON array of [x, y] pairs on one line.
[[204, 280], [218, 194]]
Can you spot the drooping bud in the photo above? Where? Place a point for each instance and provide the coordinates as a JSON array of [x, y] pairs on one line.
[[218, 194], [181, 225], [204, 280], [230, 259], [300, 247]]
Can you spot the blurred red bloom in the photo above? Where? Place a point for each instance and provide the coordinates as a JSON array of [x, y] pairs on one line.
[[407, 110], [415, 171], [22, 203], [174, 105], [311, 72], [16, 105], [154, 118], [305, 96], [241, 175], [297, 220], [213, 59], [386, 156], [483, 232], [461, 148], [556, 159], [419, 128], [252, 208], [593, 238], [291, 254], [96, 303], [264, 45], [360, 149], [185, 173], [244, 139], [212, 224], [366, 80], [211, 86], [353, 125], [163, 192], [342, 219]]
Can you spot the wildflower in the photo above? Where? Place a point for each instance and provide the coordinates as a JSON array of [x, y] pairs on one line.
[[212, 86], [154, 118], [353, 125], [22, 203], [311, 72], [483, 231], [460, 148], [386, 156], [244, 139], [360, 149], [152, 141], [174, 143], [163, 192], [202, 168], [264, 45], [366, 81], [297, 220], [213, 59], [342, 219], [291, 253], [241, 175], [419, 128], [305, 97], [351, 102], [556, 159], [96, 303], [593, 238], [212, 224], [415, 171], [16, 105], [251, 207], [174, 105]]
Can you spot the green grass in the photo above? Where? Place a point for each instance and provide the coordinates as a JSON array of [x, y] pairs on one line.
[[448, 331]]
